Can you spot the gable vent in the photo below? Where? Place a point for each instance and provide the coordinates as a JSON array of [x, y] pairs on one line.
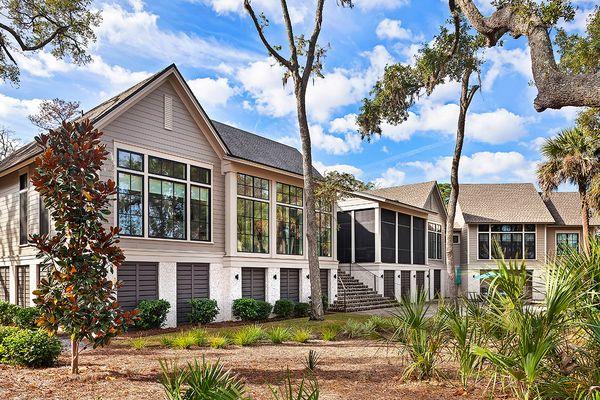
[[168, 112]]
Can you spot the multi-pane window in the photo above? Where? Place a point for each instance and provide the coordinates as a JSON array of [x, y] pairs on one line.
[[511, 241], [434, 235], [166, 209], [289, 219], [44, 218], [252, 214], [23, 208], [166, 185], [324, 229], [168, 168], [130, 203], [567, 243]]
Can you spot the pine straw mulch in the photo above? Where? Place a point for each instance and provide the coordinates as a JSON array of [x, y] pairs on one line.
[[351, 369]]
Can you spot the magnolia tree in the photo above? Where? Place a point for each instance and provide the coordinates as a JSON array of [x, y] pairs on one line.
[[77, 297]]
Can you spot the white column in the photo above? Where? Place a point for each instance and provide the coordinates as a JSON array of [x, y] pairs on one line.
[[411, 240], [304, 285], [218, 287], [378, 235], [332, 295], [235, 292], [167, 290], [396, 239], [230, 213], [33, 282], [352, 245], [12, 278], [272, 283]]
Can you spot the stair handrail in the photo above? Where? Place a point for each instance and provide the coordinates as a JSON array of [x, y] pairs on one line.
[[340, 280], [375, 276]]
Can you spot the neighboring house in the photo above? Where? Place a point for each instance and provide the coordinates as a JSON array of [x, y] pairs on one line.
[[205, 209], [392, 239], [523, 225]]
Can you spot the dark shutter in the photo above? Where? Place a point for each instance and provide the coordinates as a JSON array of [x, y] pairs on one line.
[[405, 284], [389, 285], [388, 236], [140, 282], [418, 241], [324, 277], [364, 236], [344, 237], [437, 282], [23, 291], [253, 283], [420, 282], [5, 283], [403, 238], [192, 283], [289, 284]]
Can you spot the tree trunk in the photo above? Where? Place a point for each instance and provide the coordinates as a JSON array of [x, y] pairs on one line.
[[465, 100], [585, 218], [317, 312], [74, 356]]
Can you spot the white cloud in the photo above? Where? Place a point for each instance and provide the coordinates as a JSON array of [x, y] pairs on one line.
[[14, 112], [347, 123], [534, 144], [344, 168], [503, 61], [212, 92], [272, 8], [350, 143], [391, 177], [499, 126], [137, 32], [579, 23], [392, 29], [483, 166], [119, 78], [380, 4]]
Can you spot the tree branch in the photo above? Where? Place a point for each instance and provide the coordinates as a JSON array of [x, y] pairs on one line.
[[290, 32], [259, 29], [26, 47], [312, 44], [556, 89]]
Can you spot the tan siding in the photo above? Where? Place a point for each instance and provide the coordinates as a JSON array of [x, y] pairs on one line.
[[435, 204], [552, 231], [142, 125]]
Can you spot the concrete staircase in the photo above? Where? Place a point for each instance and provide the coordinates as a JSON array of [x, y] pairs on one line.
[[354, 295]]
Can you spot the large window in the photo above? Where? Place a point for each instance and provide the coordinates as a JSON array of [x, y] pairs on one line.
[[324, 229], [434, 236], [567, 243], [289, 219], [166, 185], [511, 241], [23, 208], [252, 214]]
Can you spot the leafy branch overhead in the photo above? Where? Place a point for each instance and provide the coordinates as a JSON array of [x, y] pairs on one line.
[[66, 27]]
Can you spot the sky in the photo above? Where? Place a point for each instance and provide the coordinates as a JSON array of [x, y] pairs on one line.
[[214, 44]]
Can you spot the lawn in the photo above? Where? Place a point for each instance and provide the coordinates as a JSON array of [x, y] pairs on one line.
[[348, 369]]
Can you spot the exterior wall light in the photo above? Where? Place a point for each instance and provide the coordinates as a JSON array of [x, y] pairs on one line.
[[237, 277], [275, 276]]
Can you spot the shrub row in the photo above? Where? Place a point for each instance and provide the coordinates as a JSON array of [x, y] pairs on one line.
[[32, 348], [22, 317], [153, 313], [256, 310]]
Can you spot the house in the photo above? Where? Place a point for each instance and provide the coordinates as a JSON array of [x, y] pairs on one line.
[[205, 209], [391, 239], [521, 222]]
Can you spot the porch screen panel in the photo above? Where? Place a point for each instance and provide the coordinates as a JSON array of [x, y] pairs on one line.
[[403, 238], [418, 240], [364, 236], [388, 236], [344, 238]]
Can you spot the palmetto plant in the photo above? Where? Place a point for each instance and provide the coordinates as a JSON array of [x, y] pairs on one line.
[[572, 157], [307, 389]]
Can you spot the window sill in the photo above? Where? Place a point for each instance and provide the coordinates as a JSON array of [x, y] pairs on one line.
[[166, 240]]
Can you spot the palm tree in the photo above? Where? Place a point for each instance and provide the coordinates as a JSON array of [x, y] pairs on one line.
[[572, 157]]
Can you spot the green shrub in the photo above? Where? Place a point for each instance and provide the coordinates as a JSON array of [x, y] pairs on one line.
[[251, 309], [284, 308], [301, 309], [278, 334], [7, 313], [204, 311], [31, 348], [218, 342], [139, 343], [354, 329], [325, 302], [166, 341], [200, 337], [183, 341], [153, 314], [301, 335], [330, 333], [26, 317], [382, 324], [248, 335]]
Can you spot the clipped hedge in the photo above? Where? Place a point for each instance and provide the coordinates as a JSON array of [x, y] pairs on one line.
[[26, 317], [301, 309], [30, 348], [204, 311], [7, 313], [251, 309], [284, 308], [152, 314]]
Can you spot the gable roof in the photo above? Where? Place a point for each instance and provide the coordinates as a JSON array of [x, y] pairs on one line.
[[565, 207], [239, 143], [416, 194], [504, 202]]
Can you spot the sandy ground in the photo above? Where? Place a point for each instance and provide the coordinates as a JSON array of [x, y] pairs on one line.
[[347, 370]]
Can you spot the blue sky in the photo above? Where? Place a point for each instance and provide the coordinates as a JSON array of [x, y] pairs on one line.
[[216, 48]]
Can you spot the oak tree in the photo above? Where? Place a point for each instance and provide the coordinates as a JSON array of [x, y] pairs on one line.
[[52, 113]]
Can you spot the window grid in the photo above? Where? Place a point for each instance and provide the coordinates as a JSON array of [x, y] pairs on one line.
[[324, 233], [166, 168], [200, 208], [289, 219], [253, 187], [434, 249], [253, 226], [130, 204], [566, 243], [170, 196], [130, 160], [517, 241]]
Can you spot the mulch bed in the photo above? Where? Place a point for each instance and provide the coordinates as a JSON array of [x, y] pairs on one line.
[[353, 369]]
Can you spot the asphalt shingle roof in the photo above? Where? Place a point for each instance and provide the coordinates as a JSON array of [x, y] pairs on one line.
[[415, 194], [504, 202], [565, 207], [241, 144]]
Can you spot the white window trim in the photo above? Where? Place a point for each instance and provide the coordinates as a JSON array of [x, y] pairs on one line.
[[441, 233], [523, 232], [146, 176], [269, 201], [566, 232]]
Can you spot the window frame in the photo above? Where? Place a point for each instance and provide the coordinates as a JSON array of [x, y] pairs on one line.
[[188, 183], [142, 206], [289, 205], [578, 249], [522, 232], [253, 200], [457, 236], [185, 207], [437, 231], [321, 210]]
